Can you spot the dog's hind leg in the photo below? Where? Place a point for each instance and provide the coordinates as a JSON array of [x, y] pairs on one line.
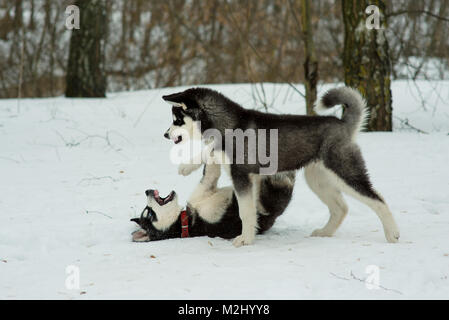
[[321, 184], [347, 169], [391, 229]]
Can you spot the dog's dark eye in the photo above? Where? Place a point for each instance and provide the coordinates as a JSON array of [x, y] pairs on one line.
[[177, 122], [152, 215]]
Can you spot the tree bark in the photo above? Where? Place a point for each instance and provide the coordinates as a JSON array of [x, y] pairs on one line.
[[86, 66], [366, 61], [311, 63]]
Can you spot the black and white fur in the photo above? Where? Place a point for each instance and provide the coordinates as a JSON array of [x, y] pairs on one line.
[[212, 211], [324, 145]]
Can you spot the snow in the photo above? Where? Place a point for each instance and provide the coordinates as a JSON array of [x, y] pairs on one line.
[[73, 172]]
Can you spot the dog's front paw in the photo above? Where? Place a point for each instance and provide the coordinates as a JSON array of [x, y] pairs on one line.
[[243, 240], [186, 169]]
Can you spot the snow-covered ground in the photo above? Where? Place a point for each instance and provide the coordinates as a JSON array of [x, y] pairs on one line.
[[73, 172]]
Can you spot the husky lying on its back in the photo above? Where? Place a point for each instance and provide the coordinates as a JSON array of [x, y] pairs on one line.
[[210, 211], [324, 145]]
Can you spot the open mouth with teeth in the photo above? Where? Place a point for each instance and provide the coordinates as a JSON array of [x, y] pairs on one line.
[[177, 140], [162, 201]]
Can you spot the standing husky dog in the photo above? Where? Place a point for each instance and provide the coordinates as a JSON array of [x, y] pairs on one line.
[[211, 211], [324, 145]]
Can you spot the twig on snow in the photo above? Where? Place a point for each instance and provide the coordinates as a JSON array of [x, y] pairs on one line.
[[407, 124], [146, 108], [98, 212], [10, 159], [106, 138], [98, 178], [354, 277]]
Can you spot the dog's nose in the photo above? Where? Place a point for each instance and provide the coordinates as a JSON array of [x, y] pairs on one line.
[[147, 193], [166, 135]]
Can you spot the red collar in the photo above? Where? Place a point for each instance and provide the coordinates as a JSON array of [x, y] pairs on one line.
[[184, 224]]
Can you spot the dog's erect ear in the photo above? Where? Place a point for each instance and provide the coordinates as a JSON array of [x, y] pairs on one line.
[[185, 99], [177, 99]]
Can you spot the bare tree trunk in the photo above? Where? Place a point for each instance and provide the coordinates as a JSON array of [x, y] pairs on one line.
[[366, 61], [86, 67], [22, 50], [311, 63]]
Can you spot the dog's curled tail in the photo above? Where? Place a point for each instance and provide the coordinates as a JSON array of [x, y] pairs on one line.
[[354, 115]]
